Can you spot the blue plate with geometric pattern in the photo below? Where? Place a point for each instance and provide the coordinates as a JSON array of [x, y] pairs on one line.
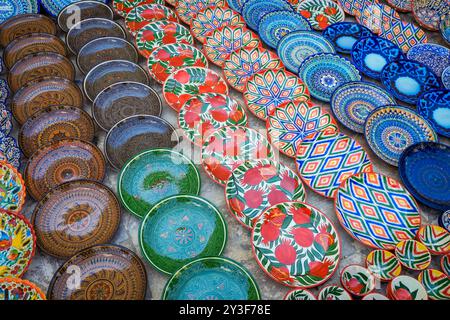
[[5, 121], [434, 105], [295, 47], [277, 24], [434, 56], [407, 80], [54, 7], [424, 169], [324, 72], [11, 8], [445, 77], [236, 5], [254, 10], [343, 35], [371, 54], [10, 149]]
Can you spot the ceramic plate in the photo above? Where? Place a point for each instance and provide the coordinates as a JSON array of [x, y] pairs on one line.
[[324, 72], [54, 7], [236, 5], [343, 35], [376, 210], [122, 7], [86, 9], [19, 289], [212, 18], [143, 14], [243, 63], [444, 220], [436, 283], [203, 114], [374, 14], [10, 150], [188, 82], [299, 294], [355, 7], [40, 94], [87, 30], [412, 254], [270, 88], [435, 238], [401, 5], [383, 264], [132, 135], [371, 54], [110, 72], [256, 185], [254, 10], [390, 130], [277, 24], [180, 229], [169, 58], [406, 288], [291, 122], [375, 296], [6, 124], [352, 102], [63, 161], [188, 9], [12, 8], [296, 46], [4, 91], [424, 169], [222, 42], [228, 147], [427, 13], [154, 175], [122, 100], [357, 280], [333, 293], [296, 245], [104, 49], [445, 264], [444, 27], [321, 13], [107, 272], [434, 56], [12, 186], [212, 278], [402, 33], [17, 243], [445, 77], [54, 124], [74, 216], [326, 158]]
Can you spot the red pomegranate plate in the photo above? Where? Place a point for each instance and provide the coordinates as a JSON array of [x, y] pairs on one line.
[[122, 7], [143, 14]]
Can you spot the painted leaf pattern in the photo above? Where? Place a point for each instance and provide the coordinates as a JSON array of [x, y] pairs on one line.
[[188, 9], [333, 293], [413, 254], [383, 264]]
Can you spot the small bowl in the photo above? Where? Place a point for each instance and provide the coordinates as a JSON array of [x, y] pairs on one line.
[[357, 280], [375, 296], [436, 284], [444, 220], [445, 264], [406, 288], [85, 10], [333, 292], [24, 24], [413, 254], [435, 238], [383, 264], [299, 294]]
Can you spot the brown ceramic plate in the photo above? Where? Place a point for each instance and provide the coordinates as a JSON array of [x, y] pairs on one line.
[[110, 72], [122, 100], [74, 216], [24, 24], [90, 29], [63, 161], [40, 94], [84, 10], [38, 65], [104, 49], [135, 134], [107, 272], [54, 124], [32, 43]]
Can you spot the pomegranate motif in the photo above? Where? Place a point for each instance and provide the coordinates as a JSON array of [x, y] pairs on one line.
[[324, 238], [285, 253], [319, 269], [301, 215], [303, 237]]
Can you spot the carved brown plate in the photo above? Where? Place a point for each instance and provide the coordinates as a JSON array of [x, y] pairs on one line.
[[24, 24]]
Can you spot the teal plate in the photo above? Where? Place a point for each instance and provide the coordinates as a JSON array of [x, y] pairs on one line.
[[180, 229], [212, 278], [154, 175]]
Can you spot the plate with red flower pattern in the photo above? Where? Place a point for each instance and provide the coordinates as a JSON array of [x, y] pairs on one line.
[[165, 60], [296, 245], [290, 122], [222, 42], [228, 147], [321, 13], [188, 9], [213, 18], [122, 7], [269, 88], [158, 33], [202, 114], [383, 264], [185, 83], [357, 280], [334, 292], [435, 238], [256, 185], [413, 254], [406, 288], [143, 14], [243, 63]]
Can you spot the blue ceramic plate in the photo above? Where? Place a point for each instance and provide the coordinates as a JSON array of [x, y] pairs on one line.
[[5, 121], [213, 278], [424, 169], [343, 35], [236, 5], [444, 27], [407, 80], [390, 130], [444, 220], [277, 24], [352, 102], [324, 72], [10, 150], [295, 47], [254, 10], [371, 54], [434, 106], [53, 7], [445, 77], [434, 56], [4, 91], [11, 8]]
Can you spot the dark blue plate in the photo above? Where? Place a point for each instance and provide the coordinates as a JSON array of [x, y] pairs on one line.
[[236, 5], [4, 91], [371, 54], [254, 10], [444, 220], [424, 169], [343, 35], [434, 106], [10, 150], [407, 80], [445, 77], [434, 56]]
